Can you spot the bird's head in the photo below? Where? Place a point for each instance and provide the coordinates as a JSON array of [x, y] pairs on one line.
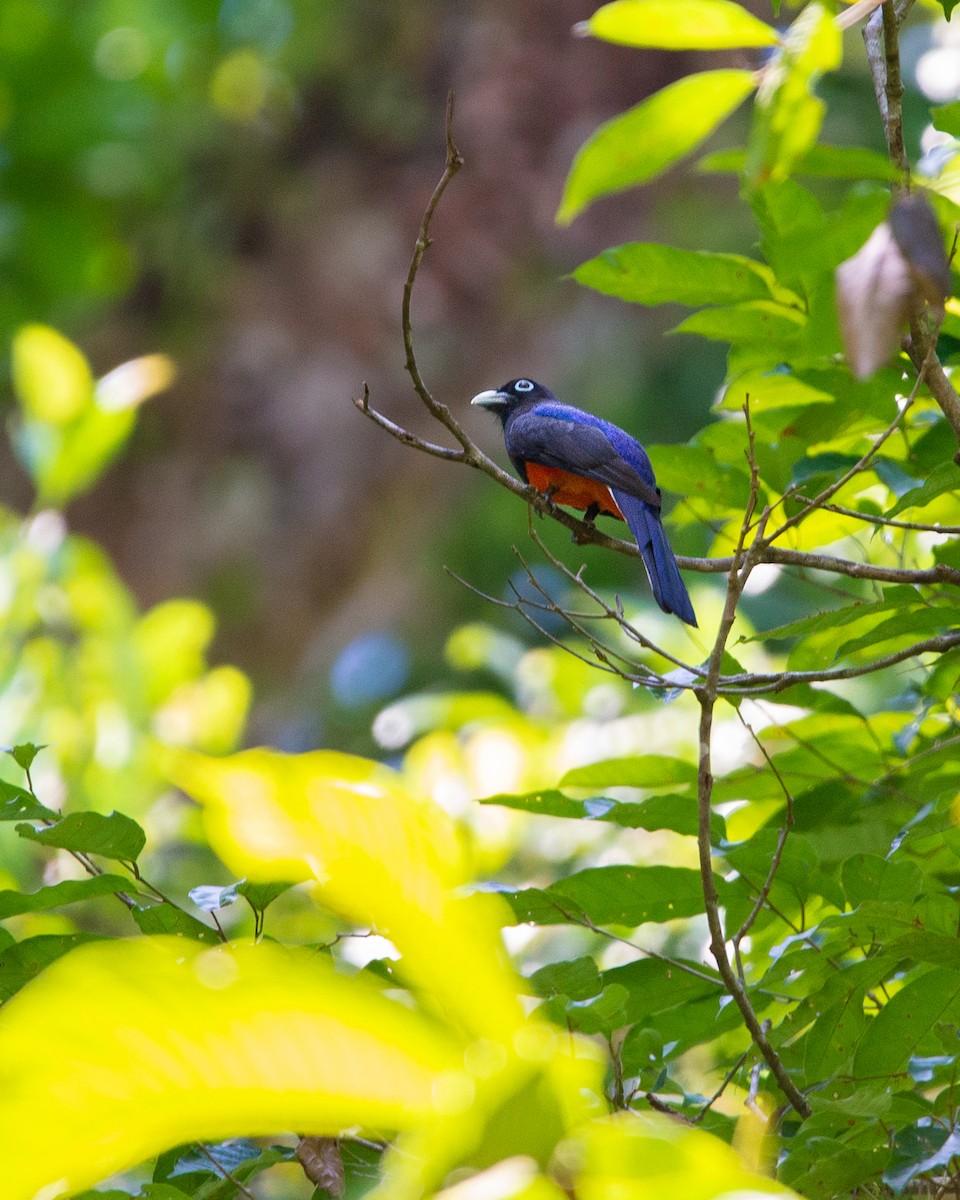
[[504, 399]]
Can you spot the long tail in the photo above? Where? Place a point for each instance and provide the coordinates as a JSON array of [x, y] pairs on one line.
[[668, 587]]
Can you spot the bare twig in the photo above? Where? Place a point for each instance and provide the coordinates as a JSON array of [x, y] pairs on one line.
[[744, 559]]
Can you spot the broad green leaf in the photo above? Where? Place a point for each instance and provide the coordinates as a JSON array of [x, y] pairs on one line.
[[647, 273], [17, 804], [944, 479], [833, 1037], [577, 979], [644, 141], [70, 891], [758, 323], [828, 162], [678, 25], [655, 986], [787, 115], [21, 961], [126, 1048], [905, 1022], [919, 1151], [261, 895], [869, 877], [644, 770], [768, 390], [378, 855], [169, 919], [678, 813], [51, 378], [823, 1167], [114, 836], [597, 1014], [613, 896]]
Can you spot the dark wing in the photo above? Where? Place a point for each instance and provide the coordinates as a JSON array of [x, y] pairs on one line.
[[581, 448]]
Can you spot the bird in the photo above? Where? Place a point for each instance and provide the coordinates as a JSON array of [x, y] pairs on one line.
[[581, 461]]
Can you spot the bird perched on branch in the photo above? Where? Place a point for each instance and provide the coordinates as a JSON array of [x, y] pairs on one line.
[[582, 461]]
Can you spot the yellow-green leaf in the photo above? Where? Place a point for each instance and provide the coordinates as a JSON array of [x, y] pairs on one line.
[[643, 142], [678, 25], [122, 1049], [51, 377], [380, 857], [787, 114]]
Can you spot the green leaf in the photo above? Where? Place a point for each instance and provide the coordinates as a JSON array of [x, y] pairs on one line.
[[648, 273], [618, 895], [919, 1151], [948, 6], [678, 25], [829, 1046], [677, 813], [869, 877], [825, 162], [787, 115], [18, 804], [904, 1024], [942, 480], [51, 377], [757, 323], [946, 117], [70, 891], [167, 918], [21, 961], [114, 836], [642, 143], [643, 770], [261, 895], [578, 979], [24, 754]]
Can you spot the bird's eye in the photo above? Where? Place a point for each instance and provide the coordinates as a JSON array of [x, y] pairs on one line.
[[523, 385]]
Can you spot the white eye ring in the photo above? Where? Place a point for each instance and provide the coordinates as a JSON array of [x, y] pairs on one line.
[[523, 385]]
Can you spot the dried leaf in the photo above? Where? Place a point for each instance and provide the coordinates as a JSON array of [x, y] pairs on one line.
[[322, 1163], [875, 289], [914, 226]]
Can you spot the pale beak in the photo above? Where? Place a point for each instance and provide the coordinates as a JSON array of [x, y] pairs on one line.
[[491, 399]]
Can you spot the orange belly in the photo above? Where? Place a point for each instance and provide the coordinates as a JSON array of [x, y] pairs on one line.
[[572, 490]]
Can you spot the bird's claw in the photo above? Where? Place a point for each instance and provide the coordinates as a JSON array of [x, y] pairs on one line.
[[578, 536]]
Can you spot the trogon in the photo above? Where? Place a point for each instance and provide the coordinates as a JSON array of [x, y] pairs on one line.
[[584, 462]]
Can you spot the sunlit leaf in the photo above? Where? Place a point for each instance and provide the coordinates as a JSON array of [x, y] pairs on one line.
[[129, 1047], [613, 896], [643, 142], [646, 273], [51, 378], [828, 162], [644, 770], [787, 115], [678, 25], [379, 856]]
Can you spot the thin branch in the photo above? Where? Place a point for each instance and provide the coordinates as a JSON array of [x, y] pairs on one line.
[[727, 1080], [883, 522], [764, 892], [404, 435], [224, 1172], [707, 694]]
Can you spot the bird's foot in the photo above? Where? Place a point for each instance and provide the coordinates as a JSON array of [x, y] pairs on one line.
[[547, 498], [577, 536]]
